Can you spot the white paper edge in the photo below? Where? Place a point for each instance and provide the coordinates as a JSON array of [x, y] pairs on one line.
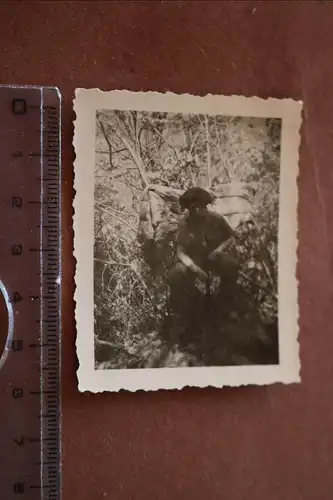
[[288, 371]]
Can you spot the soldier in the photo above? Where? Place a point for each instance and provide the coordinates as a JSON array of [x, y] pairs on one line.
[[203, 236]]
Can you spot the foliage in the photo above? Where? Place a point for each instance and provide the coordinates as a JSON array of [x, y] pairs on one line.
[[135, 149]]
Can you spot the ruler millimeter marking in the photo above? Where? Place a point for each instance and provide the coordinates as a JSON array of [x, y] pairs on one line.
[[30, 275]]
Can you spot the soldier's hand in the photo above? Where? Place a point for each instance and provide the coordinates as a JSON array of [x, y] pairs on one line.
[[201, 273]]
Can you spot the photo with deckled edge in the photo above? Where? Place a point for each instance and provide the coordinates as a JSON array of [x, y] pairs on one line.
[[179, 265]]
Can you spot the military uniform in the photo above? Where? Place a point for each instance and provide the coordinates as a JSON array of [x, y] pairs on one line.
[[200, 234]]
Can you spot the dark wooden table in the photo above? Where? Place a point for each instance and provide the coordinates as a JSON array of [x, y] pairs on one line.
[[253, 443]]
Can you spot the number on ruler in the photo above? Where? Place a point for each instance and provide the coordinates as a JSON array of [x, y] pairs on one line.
[[17, 249], [17, 297], [17, 345], [19, 441], [17, 392], [19, 106], [18, 488], [17, 202]]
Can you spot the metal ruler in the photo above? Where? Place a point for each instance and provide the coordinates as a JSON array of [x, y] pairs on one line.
[[30, 274]]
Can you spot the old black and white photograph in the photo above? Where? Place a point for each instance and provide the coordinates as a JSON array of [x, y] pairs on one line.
[[185, 240]]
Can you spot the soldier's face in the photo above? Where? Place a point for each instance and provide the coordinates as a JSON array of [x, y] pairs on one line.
[[193, 210]]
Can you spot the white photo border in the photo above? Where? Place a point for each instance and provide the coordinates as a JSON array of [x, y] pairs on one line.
[[86, 102]]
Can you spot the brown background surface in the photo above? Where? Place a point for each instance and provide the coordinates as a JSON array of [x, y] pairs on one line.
[[250, 443]]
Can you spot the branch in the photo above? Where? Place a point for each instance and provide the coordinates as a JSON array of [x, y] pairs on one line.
[[209, 172], [125, 120], [101, 124], [138, 275], [190, 152], [136, 159], [116, 217], [220, 151], [107, 152], [111, 262], [116, 347], [129, 184], [258, 285], [125, 264], [116, 178], [194, 141], [130, 213], [134, 269], [165, 140]]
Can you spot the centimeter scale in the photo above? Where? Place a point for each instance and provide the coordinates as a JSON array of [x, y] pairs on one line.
[[30, 274]]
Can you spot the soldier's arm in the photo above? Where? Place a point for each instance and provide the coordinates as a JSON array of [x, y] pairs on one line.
[[221, 248], [227, 237], [190, 264], [183, 257]]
